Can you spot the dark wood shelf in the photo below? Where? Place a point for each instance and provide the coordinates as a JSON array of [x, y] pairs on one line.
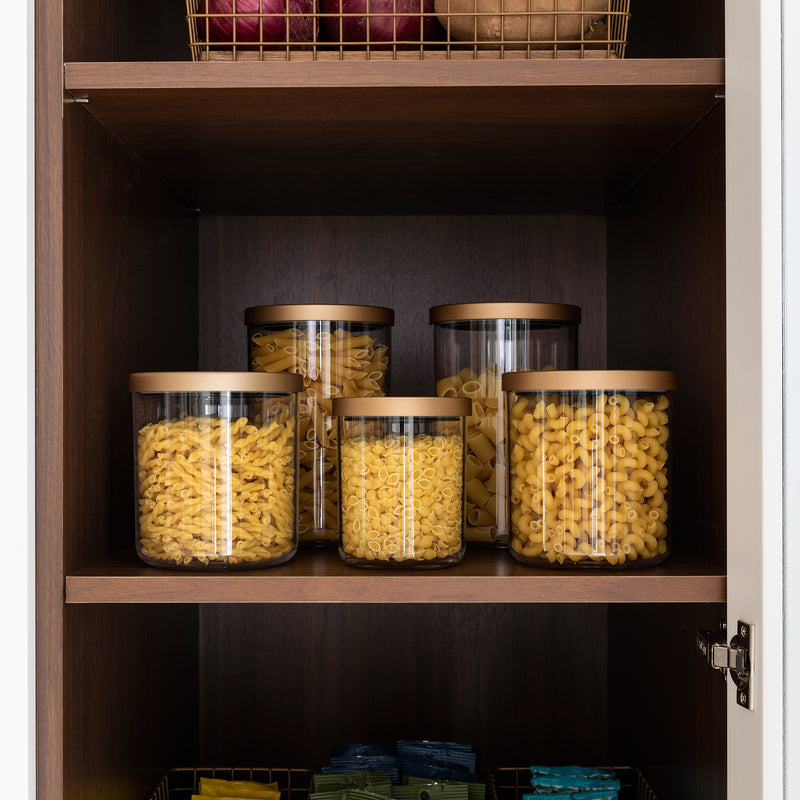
[[319, 576], [400, 136]]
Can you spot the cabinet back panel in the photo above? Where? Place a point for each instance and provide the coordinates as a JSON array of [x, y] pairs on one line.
[[284, 684], [668, 707], [409, 263], [666, 310], [130, 697], [677, 29], [130, 304]]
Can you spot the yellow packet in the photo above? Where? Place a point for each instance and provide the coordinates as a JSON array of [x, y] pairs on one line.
[[226, 790]]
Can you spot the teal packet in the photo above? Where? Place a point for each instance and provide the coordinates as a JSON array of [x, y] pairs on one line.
[[577, 772], [602, 794], [572, 785], [538, 796], [379, 782]]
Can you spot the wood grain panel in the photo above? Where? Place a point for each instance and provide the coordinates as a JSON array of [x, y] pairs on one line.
[[319, 576], [406, 263], [131, 678], [667, 706], [677, 29], [130, 304], [666, 310], [287, 683], [327, 138]]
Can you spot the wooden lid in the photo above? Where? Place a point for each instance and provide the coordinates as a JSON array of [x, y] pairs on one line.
[[262, 382]]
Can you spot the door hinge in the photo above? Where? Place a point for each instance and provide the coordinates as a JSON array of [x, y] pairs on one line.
[[735, 657]]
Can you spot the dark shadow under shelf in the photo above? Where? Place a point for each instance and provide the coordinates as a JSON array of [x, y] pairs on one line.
[[319, 576], [395, 137]]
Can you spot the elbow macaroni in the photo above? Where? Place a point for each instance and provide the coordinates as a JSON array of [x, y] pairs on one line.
[[588, 477], [212, 490], [335, 364], [401, 498]]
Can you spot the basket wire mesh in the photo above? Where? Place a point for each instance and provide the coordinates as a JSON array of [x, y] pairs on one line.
[[510, 783], [320, 30], [182, 782]]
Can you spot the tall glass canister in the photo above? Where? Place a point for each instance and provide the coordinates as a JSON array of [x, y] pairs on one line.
[[215, 469], [340, 351], [589, 463], [474, 344], [401, 479]]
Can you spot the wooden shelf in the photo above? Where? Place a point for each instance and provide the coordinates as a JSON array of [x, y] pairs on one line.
[[319, 576], [382, 136]]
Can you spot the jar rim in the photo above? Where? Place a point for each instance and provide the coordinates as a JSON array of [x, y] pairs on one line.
[[374, 315], [402, 407], [262, 382], [629, 380], [546, 312]]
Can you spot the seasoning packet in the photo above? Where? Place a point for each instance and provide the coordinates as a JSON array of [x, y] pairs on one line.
[[220, 788], [605, 794], [431, 791], [564, 783], [378, 782], [475, 791], [578, 772]]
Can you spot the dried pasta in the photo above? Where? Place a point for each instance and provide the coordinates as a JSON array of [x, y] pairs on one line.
[[216, 490], [333, 364], [588, 477], [401, 497]]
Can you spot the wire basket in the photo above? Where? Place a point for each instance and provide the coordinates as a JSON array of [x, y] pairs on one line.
[[510, 783], [331, 30], [182, 782]]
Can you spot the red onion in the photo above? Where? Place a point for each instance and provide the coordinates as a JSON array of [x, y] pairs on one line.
[[272, 26], [381, 28]]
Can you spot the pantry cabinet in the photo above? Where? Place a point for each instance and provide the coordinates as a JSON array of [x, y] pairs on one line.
[[170, 195]]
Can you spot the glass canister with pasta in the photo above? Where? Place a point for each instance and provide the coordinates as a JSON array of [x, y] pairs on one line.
[[474, 344], [215, 468], [401, 480], [339, 351], [589, 467]]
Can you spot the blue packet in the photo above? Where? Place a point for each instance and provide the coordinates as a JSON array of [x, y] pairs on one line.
[[571, 784], [539, 796], [578, 772]]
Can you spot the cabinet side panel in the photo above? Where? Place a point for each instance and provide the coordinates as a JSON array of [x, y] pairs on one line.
[[130, 703], [667, 705], [666, 310], [676, 29], [130, 304], [409, 263], [287, 683]]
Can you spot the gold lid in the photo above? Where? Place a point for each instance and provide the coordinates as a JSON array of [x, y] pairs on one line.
[[576, 380], [215, 382], [372, 315], [546, 312], [402, 406]]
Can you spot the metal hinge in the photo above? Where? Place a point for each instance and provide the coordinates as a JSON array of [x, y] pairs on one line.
[[735, 657]]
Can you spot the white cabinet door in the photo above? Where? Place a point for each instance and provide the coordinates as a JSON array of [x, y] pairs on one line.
[[755, 388]]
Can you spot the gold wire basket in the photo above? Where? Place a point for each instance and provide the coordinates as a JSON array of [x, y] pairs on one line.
[[182, 782], [331, 30], [510, 783]]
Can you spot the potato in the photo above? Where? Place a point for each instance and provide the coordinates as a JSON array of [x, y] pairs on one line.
[[519, 27]]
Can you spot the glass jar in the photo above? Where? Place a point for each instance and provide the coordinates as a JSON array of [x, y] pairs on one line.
[[588, 466], [401, 480], [474, 344], [215, 468], [340, 351]]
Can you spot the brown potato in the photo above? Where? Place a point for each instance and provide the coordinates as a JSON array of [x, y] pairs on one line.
[[464, 21]]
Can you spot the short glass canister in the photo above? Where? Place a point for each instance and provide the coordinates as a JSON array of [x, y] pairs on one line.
[[215, 468], [401, 479], [589, 461]]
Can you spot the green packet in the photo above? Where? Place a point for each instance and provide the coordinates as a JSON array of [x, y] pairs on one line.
[[349, 794], [380, 782], [475, 791], [431, 791]]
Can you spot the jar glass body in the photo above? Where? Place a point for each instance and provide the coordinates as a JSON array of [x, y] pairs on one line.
[[215, 478], [470, 357], [401, 491], [589, 483], [335, 359]]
